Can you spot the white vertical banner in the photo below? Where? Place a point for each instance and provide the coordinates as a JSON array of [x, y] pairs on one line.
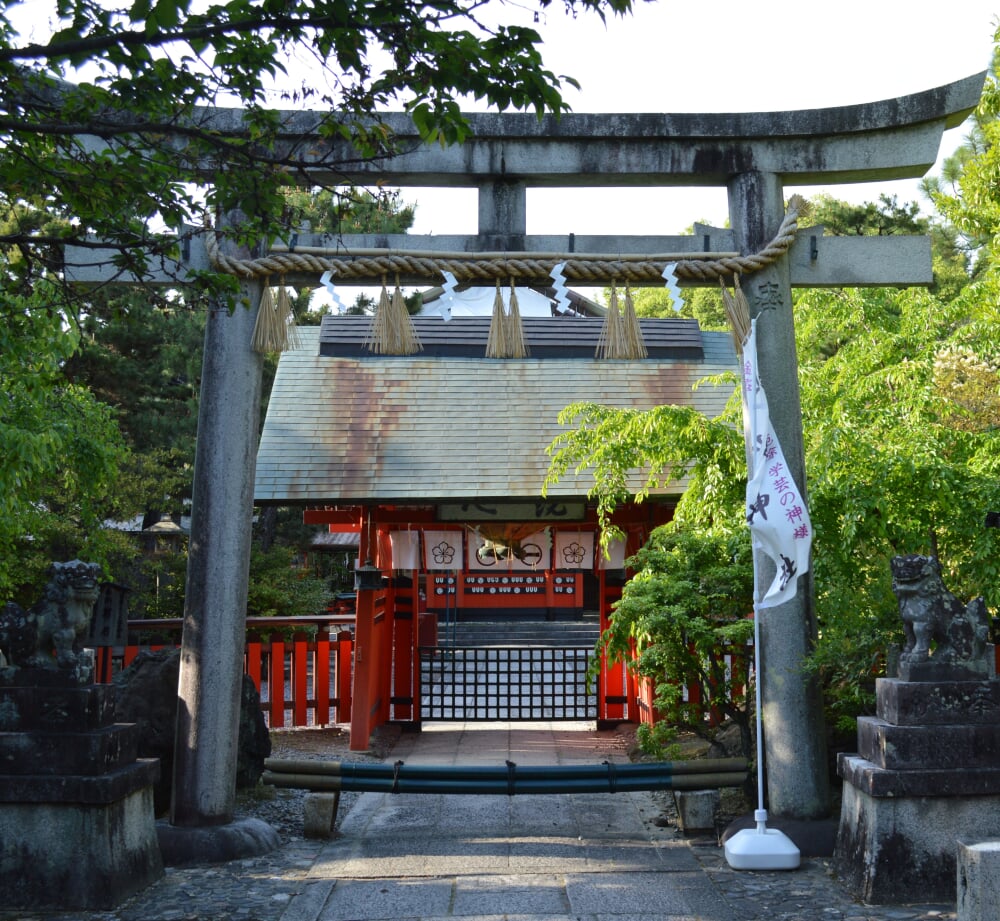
[[616, 555], [405, 549], [442, 549], [574, 550], [776, 510]]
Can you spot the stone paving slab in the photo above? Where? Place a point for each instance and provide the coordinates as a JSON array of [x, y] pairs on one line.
[[553, 873], [430, 856]]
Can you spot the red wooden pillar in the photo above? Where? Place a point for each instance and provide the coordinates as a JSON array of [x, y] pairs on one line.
[[364, 705], [365, 702], [345, 661], [635, 537], [611, 702], [404, 621], [385, 617]]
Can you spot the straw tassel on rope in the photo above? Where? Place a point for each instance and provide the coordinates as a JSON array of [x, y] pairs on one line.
[[737, 311], [407, 341], [506, 338], [392, 331], [635, 347], [611, 343], [517, 347], [274, 329]]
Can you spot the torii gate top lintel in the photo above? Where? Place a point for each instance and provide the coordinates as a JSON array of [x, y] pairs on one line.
[[889, 139], [509, 152]]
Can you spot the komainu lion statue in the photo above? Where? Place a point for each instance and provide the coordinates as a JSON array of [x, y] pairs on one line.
[[49, 634], [932, 614]]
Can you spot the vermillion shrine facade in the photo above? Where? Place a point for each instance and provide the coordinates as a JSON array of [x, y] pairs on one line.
[[437, 461]]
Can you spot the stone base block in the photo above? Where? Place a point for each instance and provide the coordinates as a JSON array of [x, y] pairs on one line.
[[183, 846], [906, 748], [948, 703], [696, 809], [895, 850], [78, 856], [978, 881], [321, 815]]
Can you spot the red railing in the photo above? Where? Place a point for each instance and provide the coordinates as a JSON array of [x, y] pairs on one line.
[[301, 666], [731, 658]]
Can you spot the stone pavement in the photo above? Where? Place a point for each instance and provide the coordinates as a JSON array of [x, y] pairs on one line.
[[586, 857]]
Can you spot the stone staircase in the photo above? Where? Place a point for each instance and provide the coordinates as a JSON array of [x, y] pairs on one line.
[[551, 633]]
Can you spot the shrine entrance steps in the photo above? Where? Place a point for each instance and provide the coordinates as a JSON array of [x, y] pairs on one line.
[[509, 631]]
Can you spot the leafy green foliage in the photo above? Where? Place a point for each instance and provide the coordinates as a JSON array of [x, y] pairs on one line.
[[666, 444], [145, 73], [59, 447], [278, 590], [966, 194], [890, 470], [687, 602]]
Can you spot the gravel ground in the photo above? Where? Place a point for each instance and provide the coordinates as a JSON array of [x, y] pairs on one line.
[[283, 808]]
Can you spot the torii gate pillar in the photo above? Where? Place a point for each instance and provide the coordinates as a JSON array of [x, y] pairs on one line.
[[795, 750], [209, 688]]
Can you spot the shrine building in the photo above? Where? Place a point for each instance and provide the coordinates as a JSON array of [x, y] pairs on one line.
[[437, 460]]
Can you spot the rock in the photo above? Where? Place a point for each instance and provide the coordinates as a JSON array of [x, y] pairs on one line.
[[728, 742], [147, 696]]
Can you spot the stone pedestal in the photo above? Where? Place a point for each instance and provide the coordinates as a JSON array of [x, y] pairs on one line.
[[77, 829], [978, 881], [927, 773], [696, 810]]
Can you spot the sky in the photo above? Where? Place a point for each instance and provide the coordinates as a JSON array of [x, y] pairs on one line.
[[729, 56], [673, 56]]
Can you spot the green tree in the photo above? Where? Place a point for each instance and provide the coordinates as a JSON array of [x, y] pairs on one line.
[[278, 590], [890, 471], [143, 357], [900, 397], [144, 73], [664, 444], [350, 210], [687, 600], [966, 192], [59, 449]]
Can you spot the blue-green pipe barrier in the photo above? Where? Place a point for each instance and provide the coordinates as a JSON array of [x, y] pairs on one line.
[[509, 779]]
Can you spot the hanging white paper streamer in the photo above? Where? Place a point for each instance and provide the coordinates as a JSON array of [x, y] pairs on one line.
[[561, 294], [616, 555], [326, 279], [405, 549], [674, 291], [443, 304]]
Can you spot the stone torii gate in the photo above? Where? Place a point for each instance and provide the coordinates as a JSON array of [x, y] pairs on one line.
[[755, 156]]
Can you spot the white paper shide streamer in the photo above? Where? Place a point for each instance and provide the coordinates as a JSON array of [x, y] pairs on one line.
[[671, 279]]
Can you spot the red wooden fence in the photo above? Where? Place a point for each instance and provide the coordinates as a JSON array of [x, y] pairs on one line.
[[303, 672], [300, 669]]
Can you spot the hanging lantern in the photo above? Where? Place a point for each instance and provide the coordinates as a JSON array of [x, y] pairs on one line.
[[368, 578]]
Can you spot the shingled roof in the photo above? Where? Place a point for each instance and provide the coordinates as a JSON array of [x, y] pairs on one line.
[[435, 427]]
